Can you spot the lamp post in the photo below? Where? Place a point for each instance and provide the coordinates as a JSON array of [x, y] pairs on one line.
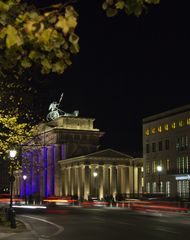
[[159, 169], [12, 154], [24, 178], [95, 174]]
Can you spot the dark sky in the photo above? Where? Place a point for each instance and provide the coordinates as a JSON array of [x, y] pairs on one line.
[[128, 68]]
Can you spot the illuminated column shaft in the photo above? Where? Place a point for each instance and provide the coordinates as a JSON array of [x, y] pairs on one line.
[[66, 182], [127, 190], [101, 186], [80, 182], [69, 181], [92, 180], [119, 179], [123, 179], [56, 171], [113, 180], [86, 182], [131, 179], [106, 180], [136, 179]]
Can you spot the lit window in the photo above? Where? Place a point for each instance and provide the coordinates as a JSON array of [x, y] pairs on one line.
[[173, 125], [148, 187], [147, 167], [154, 166], [147, 132], [188, 121], [160, 129], [153, 130], [168, 189], [181, 123], [167, 164], [166, 127]]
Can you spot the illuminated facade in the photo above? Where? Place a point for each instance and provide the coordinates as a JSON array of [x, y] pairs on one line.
[[65, 161], [166, 143]]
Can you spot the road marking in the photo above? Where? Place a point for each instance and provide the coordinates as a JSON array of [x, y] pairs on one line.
[[165, 230], [60, 228]]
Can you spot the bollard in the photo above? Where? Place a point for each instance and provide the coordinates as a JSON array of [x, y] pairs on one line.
[[12, 218]]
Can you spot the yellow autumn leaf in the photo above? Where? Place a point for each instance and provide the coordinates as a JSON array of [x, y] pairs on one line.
[[29, 26], [63, 24], [45, 35], [13, 37], [72, 21]]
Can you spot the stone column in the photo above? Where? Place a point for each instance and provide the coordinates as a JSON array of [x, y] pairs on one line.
[[61, 183], [66, 187], [119, 179], [106, 180], [131, 187], [56, 179], [87, 172], [81, 175], [113, 187], [69, 180], [92, 180], [101, 185]]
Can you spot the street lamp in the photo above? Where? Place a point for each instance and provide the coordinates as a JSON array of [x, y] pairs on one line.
[[159, 169], [24, 178], [95, 174], [12, 155]]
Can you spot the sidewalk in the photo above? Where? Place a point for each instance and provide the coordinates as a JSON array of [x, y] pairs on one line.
[[22, 231]]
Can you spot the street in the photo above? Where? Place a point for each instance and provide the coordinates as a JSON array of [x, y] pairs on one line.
[[106, 223]]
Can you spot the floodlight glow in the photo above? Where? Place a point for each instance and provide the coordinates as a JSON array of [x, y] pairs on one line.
[[95, 174], [159, 168], [12, 153], [24, 177]]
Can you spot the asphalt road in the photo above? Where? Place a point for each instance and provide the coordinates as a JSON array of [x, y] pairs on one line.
[[107, 224]]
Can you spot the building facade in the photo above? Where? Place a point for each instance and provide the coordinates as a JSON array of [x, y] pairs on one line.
[[67, 158], [166, 143]]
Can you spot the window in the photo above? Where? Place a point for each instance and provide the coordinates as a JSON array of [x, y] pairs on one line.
[[147, 167], [160, 129], [160, 145], [153, 130], [182, 143], [173, 125], [182, 163], [166, 127], [148, 187], [167, 164], [147, 132], [161, 187], [147, 148], [153, 147], [187, 163], [181, 123], [154, 167], [183, 188], [154, 187], [168, 189], [167, 144], [178, 165], [186, 141]]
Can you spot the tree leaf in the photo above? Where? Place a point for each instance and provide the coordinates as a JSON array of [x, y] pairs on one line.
[[13, 37]]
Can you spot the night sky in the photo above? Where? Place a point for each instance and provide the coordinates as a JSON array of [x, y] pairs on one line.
[[128, 68]]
